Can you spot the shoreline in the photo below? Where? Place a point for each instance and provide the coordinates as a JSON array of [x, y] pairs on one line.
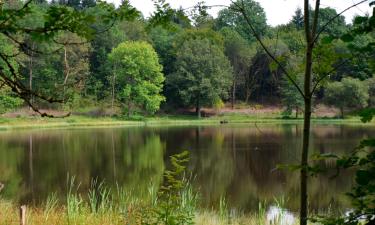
[[98, 122]]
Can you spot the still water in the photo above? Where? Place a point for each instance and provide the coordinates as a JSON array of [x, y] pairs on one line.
[[235, 161]]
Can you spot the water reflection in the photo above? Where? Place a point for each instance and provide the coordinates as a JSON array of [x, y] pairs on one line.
[[234, 161], [277, 215]]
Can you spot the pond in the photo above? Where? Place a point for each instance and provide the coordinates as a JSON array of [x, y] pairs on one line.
[[237, 162]]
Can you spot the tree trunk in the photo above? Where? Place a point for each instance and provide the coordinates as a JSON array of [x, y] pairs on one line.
[[233, 93], [66, 71], [31, 64], [129, 109], [304, 162], [297, 111], [306, 136], [342, 112], [113, 94], [198, 109]]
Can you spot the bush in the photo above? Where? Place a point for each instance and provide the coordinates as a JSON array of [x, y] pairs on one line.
[[349, 93], [8, 102]]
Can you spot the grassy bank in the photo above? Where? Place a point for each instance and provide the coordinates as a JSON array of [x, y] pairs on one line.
[[86, 121], [60, 216], [105, 207]]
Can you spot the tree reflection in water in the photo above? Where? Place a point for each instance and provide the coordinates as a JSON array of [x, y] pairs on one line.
[[236, 161]]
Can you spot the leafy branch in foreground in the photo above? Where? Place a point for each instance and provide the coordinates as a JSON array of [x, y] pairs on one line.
[[362, 195]]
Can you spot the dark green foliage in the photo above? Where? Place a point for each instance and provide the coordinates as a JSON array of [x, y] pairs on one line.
[[291, 98], [203, 73], [335, 28], [298, 20], [231, 17], [38, 31]]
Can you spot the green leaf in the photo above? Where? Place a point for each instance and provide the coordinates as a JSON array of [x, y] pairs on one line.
[[367, 115], [327, 39], [347, 38], [363, 177]]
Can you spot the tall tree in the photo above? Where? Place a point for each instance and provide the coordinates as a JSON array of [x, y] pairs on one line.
[[239, 54], [139, 76], [297, 19], [313, 30], [56, 19], [203, 74], [232, 18]]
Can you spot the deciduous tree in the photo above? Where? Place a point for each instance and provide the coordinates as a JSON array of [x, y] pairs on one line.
[[138, 76], [203, 73]]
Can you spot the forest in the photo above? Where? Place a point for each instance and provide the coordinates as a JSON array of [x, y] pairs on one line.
[[142, 66], [183, 117]]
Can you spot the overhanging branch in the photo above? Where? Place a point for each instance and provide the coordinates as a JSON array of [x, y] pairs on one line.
[[322, 29]]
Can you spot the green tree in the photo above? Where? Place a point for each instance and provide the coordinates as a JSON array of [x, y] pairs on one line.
[[140, 78], [349, 93], [297, 20], [291, 98], [232, 18], [239, 54], [203, 73], [312, 36], [55, 20], [337, 27]]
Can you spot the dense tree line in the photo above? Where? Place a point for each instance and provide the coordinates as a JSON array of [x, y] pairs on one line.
[[192, 61]]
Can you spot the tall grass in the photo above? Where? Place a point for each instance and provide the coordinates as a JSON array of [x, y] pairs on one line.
[[83, 210]]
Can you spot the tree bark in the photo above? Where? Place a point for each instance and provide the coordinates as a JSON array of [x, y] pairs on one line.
[[129, 108], [306, 130], [198, 109], [113, 94], [31, 65], [342, 112], [233, 93], [304, 162]]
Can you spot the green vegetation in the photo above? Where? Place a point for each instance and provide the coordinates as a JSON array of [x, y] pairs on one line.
[[203, 74], [63, 56], [137, 79], [171, 120], [136, 66], [129, 211], [349, 93]]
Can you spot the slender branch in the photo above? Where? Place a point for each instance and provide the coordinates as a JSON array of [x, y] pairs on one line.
[[242, 10], [316, 19], [16, 85], [322, 29], [307, 21]]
